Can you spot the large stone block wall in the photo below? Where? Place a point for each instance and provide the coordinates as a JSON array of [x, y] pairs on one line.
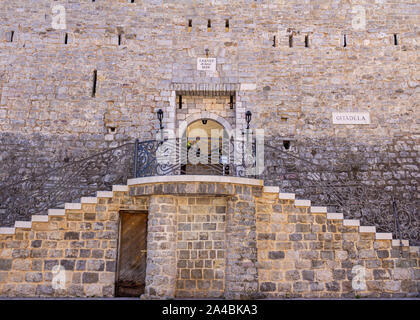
[[161, 245], [335, 171], [305, 252], [201, 247], [82, 238], [246, 241], [196, 105], [46, 85]]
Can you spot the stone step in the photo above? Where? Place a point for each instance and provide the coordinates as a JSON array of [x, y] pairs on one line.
[[303, 203], [73, 206], [104, 194], [335, 216], [351, 223], [397, 243], [7, 230], [318, 209], [286, 196], [271, 189], [367, 229], [383, 236], [23, 224], [89, 200], [414, 249], [40, 218], [56, 212], [120, 188]]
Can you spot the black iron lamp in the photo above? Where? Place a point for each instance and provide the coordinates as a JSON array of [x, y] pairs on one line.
[[248, 116], [160, 117], [204, 121]]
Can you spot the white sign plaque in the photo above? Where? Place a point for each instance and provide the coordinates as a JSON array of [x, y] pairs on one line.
[[351, 117], [206, 64]]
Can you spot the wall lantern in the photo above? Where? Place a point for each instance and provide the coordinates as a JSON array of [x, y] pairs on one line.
[[204, 121], [248, 115], [160, 117]]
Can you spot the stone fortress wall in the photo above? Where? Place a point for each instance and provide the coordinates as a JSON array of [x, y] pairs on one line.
[[207, 238], [287, 61]]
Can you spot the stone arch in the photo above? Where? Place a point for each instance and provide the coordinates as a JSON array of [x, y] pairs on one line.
[[205, 115]]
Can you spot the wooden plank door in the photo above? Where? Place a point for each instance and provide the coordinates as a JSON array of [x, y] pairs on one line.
[[132, 254]]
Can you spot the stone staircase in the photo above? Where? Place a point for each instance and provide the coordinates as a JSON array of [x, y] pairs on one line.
[[121, 195], [267, 189], [340, 216]]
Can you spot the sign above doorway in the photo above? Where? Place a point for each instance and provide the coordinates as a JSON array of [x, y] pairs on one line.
[[206, 64]]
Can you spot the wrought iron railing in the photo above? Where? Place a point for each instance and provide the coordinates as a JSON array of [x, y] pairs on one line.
[[323, 183], [35, 194], [329, 185], [199, 157]]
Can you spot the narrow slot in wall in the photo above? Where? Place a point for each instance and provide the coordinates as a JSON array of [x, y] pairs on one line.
[[9, 36], [395, 39], [95, 76]]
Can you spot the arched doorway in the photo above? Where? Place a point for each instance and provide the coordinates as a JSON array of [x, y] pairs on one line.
[[207, 146]]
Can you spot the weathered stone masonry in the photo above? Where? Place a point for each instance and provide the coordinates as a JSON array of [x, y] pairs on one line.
[[232, 238], [46, 85], [212, 239]]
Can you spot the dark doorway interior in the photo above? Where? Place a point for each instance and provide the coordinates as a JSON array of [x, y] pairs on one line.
[[132, 254]]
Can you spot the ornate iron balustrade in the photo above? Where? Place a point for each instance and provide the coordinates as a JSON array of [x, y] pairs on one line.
[[324, 184], [35, 194], [328, 185], [200, 157]]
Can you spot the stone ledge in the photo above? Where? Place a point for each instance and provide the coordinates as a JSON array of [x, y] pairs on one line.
[[89, 200], [5, 230], [335, 216], [397, 243], [273, 189], [302, 203], [120, 188], [195, 178], [73, 206], [40, 218], [56, 212], [104, 194], [367, 229], [351, 223], [318, 209], [23, 224], [383, 236], [286, 196], [414, 249]]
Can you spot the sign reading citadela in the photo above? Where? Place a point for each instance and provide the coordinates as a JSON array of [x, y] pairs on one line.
[[206, 64], [351, 117]]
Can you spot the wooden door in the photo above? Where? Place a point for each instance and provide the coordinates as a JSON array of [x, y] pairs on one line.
[[132, 254]]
